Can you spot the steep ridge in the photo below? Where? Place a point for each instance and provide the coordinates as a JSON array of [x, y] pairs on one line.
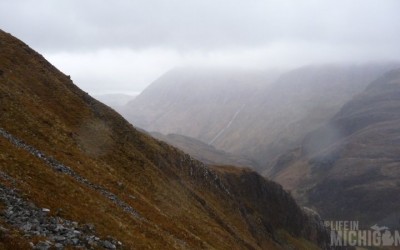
[[257, 116], [348, 168], [78, 167]]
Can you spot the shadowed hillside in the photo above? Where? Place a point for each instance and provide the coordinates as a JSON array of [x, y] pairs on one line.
[[75, 173], [349, 168]]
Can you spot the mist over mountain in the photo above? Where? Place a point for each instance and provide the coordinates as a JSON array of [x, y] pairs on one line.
[[195, 102], [352, 161], [115, 101], [75, 174], [204, 152], [200, 124], [257, 115]]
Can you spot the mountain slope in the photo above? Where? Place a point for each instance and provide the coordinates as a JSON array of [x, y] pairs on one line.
[[115, 101], [204, 152], [352, 162], [279, 117], [74, 172], [194, 102], [257, 116]]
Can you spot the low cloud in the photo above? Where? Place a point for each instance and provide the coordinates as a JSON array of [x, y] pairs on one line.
[[123, 45]]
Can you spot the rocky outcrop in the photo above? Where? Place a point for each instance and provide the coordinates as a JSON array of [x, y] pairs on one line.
[[57, 166], [260, 202], [36, 222]]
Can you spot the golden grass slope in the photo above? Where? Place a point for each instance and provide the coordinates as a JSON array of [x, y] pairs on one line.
[[183, 204]]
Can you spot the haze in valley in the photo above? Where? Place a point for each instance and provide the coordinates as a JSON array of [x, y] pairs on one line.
[[243, 93]]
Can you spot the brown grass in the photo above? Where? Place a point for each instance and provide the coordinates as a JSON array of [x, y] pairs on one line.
[[41, 106]]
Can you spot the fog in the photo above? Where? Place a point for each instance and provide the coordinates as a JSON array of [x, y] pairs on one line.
[[122, 46]]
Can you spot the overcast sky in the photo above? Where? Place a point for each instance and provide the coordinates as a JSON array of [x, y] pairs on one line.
[[123, 45]]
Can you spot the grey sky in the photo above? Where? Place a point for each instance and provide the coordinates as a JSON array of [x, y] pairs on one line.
[[121, 45]]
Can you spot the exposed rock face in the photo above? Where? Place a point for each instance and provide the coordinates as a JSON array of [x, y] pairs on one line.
[[348, 168], [36, 222], [248, 187], [51, 162]]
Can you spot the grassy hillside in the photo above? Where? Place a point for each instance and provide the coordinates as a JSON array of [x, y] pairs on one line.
[[68, 160]]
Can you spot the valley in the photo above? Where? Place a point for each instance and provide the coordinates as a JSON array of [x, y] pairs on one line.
[[326, 133], [191, 125]]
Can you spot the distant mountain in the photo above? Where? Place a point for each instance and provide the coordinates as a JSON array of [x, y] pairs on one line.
[[255, 114], [204, 152], [195, 102], [75, 174], [115, 101], [349, 167], [279, 117]]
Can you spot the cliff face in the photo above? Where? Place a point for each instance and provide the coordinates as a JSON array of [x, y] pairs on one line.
[[250, 188], [348, 168], [74, 172]]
